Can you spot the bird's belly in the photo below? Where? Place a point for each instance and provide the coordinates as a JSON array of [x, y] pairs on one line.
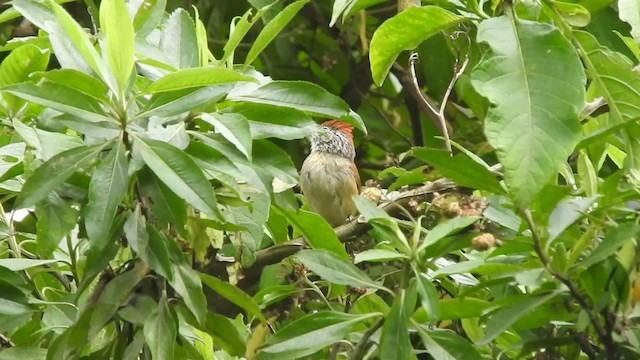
[[327, 183]]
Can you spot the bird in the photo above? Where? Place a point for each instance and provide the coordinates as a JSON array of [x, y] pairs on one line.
[[328, 176]]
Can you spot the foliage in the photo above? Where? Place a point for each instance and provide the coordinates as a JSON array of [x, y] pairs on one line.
[[148, 167]]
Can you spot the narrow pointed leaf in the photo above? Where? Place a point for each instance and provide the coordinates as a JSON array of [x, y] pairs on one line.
[[180, 173], [272, 29], [534, 78], [187, 284], [394, 340], [148, 244], [444, 344], [179, 43], [117, 26], [107, 188], [53, 173], [196, 77]]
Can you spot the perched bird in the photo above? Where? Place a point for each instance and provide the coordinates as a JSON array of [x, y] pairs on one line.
[[329, 176]]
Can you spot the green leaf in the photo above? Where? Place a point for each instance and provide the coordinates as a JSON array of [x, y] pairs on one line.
[[629, 11], [300, 95], [534, 79], [394, 340], [378, 255], [405, 31], [23, 264], [196, 77], [174, 103], [55, 220], [23, 353], [180, 173], [502, 319], [446, 228], [61, 98], [309, 334], [76, 80], [266, 121], [179, 43], [614, 77], [161, 330], [118, 30], [53, 173], [47, 144], [80, 39], [165, 204], [611, 242], [460, 168], [317, 232], [237, 32], [148, 243], [234, 128], [574, 14], [445, 344], [148, 16], [233, 294], [17, 66], [428, 296], [340, 7], [566, 213], [108, 186], [335, 269], [272, 29], [187, 284], [225, 334]]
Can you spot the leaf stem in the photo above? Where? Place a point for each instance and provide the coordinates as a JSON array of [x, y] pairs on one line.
[[363, 344]]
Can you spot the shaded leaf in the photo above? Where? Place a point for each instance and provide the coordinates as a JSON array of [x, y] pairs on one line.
[[148, 243], [267, 121], [56, 219], [444, 344], [108, 186], [566, 213], [611, 242], [378, 255], [446, 228], [394, 340], [233, 294], [428, 296], [187, 284]]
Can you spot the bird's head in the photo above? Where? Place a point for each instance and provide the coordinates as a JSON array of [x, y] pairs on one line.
[[334, 137]]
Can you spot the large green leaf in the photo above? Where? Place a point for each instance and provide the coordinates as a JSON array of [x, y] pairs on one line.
[[267, 121], [460, 168], [335, 269], [629, 11], [534, 79], [180, 173], [148, 15], [428, 296], [23, 353], [55, 172], [238, 30], [233, 294], [165, 204], [405, 31], [107, 188], [117, 27], [309, 334], [196, 77], [300, 95], [76, 80], [167, 104], [273, 28], [317, 232], [161, 330]]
